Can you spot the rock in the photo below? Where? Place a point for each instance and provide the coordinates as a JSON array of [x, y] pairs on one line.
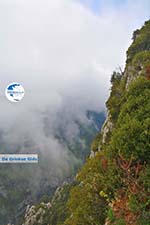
[[35, 215], [107, 127]]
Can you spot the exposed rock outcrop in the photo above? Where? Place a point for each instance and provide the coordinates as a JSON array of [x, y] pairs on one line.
[[34, 215]]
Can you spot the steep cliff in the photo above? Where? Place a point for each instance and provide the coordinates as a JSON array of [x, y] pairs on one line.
[[113, 187]]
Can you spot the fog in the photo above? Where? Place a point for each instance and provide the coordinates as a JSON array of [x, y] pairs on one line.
[[63, 53]]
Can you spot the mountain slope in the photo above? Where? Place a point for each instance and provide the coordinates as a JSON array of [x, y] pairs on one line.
[[113, 187], [21, 185]]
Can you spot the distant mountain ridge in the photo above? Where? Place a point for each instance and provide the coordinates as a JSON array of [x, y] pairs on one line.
[[21, 185]]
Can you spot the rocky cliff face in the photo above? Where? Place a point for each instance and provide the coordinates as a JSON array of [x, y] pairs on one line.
[[50, 212], [138, 58], [113, 186], [35, 215]]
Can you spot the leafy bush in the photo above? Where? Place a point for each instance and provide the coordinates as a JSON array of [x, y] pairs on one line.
[[132, 133], [141, 43]]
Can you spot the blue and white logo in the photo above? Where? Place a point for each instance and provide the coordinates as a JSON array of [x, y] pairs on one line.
[[14, 92]]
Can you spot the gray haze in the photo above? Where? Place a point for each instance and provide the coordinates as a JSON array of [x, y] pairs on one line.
[[63, 54]]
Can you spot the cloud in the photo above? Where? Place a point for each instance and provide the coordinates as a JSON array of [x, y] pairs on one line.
[[63, 54]]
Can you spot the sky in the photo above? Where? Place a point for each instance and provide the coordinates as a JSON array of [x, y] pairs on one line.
[[63, 52], [97, 5]]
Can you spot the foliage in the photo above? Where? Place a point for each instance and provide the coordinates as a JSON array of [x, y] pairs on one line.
[[141, 43], [142, 58], [116, 96], [59, 211], [96, 143], [114, 186], [132, 134], [86, 202]]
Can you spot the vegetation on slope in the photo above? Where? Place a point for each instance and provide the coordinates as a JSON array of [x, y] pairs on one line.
[[17, 186], [113, 187]]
